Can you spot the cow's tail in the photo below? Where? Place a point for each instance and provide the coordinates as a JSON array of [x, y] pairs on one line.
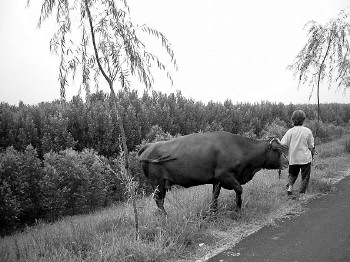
[[146, 162], [143, 149], [144, 169], [153, 161], [159, 160], [144, 166]]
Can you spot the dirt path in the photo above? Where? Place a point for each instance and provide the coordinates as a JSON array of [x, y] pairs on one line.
[[322, 233]]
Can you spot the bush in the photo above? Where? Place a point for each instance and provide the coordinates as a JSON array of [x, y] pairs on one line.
[[275, 129], [324, 132], [20, 194], [10, 205], [75, 182], [64, 183]]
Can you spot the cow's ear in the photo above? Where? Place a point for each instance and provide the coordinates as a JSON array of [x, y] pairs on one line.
[[274, 143]]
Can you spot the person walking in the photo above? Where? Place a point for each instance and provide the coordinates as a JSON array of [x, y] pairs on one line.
[[301, 145]]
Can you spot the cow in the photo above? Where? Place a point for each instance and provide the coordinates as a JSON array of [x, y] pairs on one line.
[[220, 158]]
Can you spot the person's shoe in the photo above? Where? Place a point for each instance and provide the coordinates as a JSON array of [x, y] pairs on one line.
[[290, 195], [302, 196]]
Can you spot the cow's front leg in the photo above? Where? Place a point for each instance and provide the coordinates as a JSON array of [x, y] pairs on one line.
[[228, 181], [238, 199], [158, 196], [160, 205]]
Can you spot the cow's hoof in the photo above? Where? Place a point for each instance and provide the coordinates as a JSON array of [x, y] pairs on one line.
[[160, 212], [236, 214]]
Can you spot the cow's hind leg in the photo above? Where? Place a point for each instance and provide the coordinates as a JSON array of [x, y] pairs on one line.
[[216, 193], [228, 181]]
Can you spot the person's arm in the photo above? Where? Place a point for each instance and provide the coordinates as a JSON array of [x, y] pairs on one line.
[[286, 139], [311, 143]]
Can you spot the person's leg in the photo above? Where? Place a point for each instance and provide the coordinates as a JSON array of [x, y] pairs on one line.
[[305, 177], [292, 177]]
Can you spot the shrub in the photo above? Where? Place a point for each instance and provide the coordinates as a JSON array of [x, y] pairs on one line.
[[20, 175], [10, 205], [74, 182], [275, 129], [324, 132]]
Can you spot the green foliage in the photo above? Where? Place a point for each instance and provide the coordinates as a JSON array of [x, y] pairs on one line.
[[75, 182], [117, 56], [157, 134], [213, 126], [325, 132], [20, 192], [325, 55], [56, 135], [92, 124], [64, 183], [275, 129]]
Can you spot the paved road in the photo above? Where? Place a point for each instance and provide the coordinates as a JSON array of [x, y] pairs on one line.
[[320, 234]]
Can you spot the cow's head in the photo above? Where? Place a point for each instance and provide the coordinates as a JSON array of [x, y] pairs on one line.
[[276, 157]]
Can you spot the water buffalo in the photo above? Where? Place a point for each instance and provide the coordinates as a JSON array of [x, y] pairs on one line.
[[219, 158]]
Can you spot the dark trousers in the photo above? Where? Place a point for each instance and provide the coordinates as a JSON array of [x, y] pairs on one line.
[[305, 175]]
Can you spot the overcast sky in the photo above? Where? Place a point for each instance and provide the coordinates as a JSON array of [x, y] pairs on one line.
[[226, 49]]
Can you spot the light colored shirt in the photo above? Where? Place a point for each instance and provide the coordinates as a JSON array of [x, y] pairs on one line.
[[300, 141]]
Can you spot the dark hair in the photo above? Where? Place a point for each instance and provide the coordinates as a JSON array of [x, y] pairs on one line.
[[298, 117]]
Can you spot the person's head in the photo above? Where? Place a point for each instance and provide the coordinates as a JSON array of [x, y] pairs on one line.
[[298, 117]]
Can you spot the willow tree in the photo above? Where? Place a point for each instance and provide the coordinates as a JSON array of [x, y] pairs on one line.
[[325, 56], [97, 38]]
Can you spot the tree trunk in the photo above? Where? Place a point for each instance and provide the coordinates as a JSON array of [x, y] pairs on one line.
[[132, 195], [116, 106]]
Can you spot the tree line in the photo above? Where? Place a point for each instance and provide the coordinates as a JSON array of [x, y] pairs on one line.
[[78, 124], [63, 157]]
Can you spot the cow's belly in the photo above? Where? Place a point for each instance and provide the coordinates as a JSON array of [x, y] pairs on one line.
[[189, 173]]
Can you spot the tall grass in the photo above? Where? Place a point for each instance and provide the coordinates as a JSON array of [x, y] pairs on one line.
[[189, 231], [109, 235]]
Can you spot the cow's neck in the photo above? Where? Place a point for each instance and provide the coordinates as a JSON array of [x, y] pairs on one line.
[[260, 155]]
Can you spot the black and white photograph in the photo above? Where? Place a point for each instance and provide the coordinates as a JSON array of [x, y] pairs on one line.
[[174, 131]]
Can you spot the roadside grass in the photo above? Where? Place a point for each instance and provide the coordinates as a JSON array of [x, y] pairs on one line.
[[189, 232]]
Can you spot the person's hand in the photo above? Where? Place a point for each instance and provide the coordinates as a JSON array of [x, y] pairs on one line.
[[313, 152]]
